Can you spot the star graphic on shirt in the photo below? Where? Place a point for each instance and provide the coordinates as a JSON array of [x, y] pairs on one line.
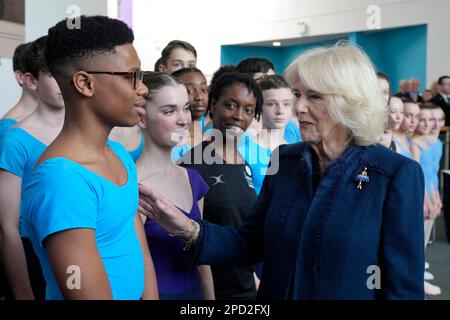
[[218, 180]]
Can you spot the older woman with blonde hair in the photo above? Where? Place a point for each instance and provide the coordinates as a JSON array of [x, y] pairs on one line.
[[342, 216]]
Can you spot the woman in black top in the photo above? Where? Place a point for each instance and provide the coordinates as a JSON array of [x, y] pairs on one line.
[[235, 100]]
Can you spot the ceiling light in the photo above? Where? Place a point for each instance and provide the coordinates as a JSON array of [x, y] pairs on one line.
[[276, 43]]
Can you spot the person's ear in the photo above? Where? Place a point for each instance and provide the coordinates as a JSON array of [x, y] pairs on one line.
[[143, 122], [19, 77], [30, 81], [84, 83]]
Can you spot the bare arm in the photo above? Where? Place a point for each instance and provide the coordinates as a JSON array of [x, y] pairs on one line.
[[77, 248], [205, 271], [151, 286], [12, 254], [415, 151]]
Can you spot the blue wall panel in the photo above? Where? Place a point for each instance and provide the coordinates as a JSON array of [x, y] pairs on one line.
[[400, 52]]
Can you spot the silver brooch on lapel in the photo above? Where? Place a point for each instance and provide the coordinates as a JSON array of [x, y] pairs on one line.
[[362, 177]]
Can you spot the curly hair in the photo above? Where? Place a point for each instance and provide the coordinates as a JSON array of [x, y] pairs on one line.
[[96, 35], [226, 80]]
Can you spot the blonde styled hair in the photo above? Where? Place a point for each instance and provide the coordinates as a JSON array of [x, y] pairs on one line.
[[344, 74]]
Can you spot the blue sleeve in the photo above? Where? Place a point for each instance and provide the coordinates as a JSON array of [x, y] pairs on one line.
[[292, 133], [402, 235], [135, 154], [13, 155], [59, 200], [5, 124]]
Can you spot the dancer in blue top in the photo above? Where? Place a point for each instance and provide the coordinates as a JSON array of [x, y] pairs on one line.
[[422, 152], [176, 55], [80, 205], [5, 124], [396, 116], [421, 148], [197, 89], [259, 68], [20, 148], [100, 205], [409, 124], [438, 122], [277, 110], [23, 66], [167, 116]]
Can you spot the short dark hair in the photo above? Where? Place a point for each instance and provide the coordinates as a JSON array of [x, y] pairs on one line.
[[174, 44], [254, 65], [230, 78], [381, 75], [178, 73], [96, 35], [155, 80], [157, 64], [441, 79], [34, 57], [223, 69], [273, 82], [18, 64]]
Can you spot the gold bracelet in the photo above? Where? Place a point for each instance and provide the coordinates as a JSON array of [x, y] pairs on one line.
[[192, 234]]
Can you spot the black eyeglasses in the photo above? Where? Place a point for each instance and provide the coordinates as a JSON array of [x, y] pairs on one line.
[[137, 76]]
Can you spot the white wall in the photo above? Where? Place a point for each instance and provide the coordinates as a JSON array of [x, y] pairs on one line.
[[209, 24], [40, 15], [9, 89]]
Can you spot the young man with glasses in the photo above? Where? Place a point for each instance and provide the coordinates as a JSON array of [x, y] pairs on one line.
[[80, 205]]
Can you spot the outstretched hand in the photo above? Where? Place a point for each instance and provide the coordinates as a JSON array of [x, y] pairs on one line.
[[162, 211]]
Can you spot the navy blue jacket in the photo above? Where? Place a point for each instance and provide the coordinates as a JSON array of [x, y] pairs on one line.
[[326, 239]]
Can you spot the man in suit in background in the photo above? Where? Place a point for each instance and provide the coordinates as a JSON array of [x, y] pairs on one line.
[[442, 99], [413, 92], [404, 88]]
